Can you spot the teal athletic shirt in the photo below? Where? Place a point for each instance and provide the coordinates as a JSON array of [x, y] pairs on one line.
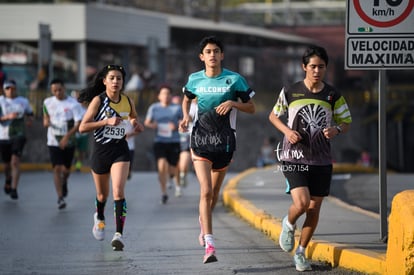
[[211, 92]]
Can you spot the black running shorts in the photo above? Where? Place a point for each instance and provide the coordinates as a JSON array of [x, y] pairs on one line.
[[104, 155], [317, 178]]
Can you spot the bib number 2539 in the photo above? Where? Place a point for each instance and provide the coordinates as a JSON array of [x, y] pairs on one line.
[[115, 132]]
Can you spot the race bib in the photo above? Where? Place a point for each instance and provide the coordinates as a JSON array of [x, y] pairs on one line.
[[59, 129], [164, 130], [118, 131]]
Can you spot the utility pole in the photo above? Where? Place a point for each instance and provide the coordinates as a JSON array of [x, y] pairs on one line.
[[217, 11], [269, 13]]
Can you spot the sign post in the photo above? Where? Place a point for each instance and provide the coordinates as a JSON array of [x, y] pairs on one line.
[[45, 50], [380, 35]]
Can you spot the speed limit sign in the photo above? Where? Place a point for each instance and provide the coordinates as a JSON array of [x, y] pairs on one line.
[[380, 17], [380, 34]]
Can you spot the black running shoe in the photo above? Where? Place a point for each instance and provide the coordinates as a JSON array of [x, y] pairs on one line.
[[7, 188], [61, 203], [13, 194], [65, 189], [164, 199]]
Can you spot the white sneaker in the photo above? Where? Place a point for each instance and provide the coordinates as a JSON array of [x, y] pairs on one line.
[[183, 179], [117, 242], [177, 191], [98, 229], [287, 237], [170, 183], [301, 263]]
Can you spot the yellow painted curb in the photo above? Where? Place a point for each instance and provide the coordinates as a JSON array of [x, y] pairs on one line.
[[400, 252], [44, 167], [361, 260]]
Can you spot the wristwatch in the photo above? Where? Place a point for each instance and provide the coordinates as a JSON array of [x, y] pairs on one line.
[[339, 129]]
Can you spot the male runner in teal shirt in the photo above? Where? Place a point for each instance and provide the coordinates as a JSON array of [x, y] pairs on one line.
[[220, 93]]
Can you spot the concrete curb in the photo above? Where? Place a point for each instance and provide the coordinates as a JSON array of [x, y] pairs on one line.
[[361, 260]]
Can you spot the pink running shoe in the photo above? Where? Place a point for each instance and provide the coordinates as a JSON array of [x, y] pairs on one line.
[[201, 236], [210, 256]]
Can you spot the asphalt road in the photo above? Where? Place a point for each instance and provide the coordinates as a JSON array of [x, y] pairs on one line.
[[37, 238]]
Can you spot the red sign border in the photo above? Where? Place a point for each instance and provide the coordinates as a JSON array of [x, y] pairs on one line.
[[384, 24]]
